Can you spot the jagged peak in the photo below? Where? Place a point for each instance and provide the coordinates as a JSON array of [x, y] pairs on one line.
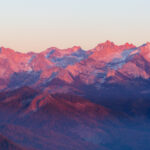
[[6, 50], [74, 48], [107, 44], [146, 45], [127, 46], [68, 50], [50, 49]]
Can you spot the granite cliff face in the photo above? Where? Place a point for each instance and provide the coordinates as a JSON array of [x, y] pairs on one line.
[[73, 65]]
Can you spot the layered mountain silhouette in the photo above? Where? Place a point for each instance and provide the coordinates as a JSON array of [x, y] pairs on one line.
[[70, 99]]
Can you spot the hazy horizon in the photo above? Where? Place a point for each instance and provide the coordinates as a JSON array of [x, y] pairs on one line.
[[39, 24]]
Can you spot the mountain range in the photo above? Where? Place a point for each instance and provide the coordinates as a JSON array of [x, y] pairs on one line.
[[70, 99]]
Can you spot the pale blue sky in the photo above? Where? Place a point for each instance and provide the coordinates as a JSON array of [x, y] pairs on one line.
[[34, 25]]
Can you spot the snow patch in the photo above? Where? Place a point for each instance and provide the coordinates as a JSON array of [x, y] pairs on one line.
[[117, 63], [134, 52], [31, 59], [54, 74], [50, 53]]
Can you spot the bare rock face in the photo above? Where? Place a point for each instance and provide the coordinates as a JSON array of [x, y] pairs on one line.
[[72, 64]]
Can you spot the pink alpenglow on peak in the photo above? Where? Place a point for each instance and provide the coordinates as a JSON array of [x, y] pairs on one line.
[[108, 51], [145, 51], [79, 61], [107, 44], [127, 46], [75, 48]]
